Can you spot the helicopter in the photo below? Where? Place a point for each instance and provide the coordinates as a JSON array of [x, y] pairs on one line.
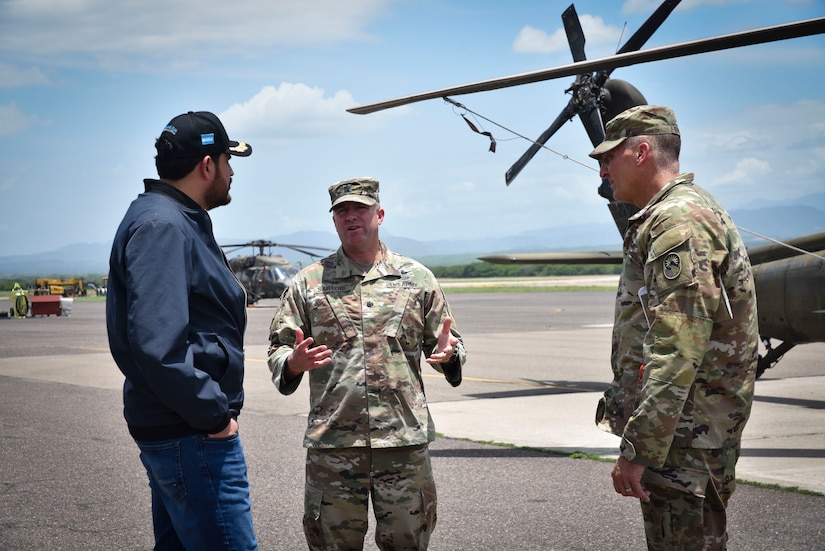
[[789, 277], [265, 275]]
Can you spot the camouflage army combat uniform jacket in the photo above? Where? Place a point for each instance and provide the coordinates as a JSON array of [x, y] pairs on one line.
[[685, 335], [378, 324]]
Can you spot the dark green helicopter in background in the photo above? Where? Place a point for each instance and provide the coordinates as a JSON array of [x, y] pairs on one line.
[[789, 277], [265, 275]]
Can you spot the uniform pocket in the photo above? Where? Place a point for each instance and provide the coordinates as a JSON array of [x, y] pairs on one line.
[[429, 507], [691, 481], [312, 502]]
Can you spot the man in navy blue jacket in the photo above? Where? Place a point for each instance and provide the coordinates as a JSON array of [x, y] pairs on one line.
[[176, 316]]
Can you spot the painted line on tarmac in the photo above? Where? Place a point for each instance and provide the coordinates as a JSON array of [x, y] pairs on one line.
[[88, 348]]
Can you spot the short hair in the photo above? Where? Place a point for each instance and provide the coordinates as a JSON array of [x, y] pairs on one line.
[[669, 146], [176, 169]]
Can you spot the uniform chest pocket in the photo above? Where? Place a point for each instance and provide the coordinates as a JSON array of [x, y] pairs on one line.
[[670, 261], [331, 325], [406, 321]]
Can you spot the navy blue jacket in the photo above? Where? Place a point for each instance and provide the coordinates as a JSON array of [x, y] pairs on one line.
[[176, 316]]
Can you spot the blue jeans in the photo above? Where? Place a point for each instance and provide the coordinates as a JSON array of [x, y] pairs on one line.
[[200, 493]]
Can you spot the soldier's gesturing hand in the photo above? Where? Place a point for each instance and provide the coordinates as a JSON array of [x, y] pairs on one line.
[[446, 345], [305, 357]]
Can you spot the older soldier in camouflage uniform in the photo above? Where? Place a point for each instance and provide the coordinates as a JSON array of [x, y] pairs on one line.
[[359, 321], [684, 338]]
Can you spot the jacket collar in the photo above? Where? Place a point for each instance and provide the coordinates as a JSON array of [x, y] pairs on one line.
[[164, 188]]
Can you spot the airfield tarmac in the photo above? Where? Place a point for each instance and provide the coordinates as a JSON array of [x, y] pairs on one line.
[[70, 477]]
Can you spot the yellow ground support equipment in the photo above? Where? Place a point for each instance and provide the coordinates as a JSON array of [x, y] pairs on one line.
[[20, 309]]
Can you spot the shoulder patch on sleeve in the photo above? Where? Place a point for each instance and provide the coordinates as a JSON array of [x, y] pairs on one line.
[[670, 260], [672, 265]]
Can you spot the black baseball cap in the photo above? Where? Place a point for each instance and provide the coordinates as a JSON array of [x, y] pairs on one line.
[[196, 134]]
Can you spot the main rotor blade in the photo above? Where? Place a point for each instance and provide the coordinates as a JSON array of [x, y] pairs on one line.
[[649, 27], [589, 116], [600, 257], [574, 32], [302, 249], [566, 114], [589, 112], [575, 37], [592, 121], [261, 243], [785, 31]]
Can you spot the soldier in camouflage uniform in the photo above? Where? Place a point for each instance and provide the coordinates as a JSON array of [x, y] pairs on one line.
[[358, 322], [685, 337]]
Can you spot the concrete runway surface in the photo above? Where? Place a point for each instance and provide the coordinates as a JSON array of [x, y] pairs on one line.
[[70, 477]]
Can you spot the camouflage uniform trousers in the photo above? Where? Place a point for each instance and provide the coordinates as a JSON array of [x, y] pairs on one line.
[[339, 482], [688, 499]]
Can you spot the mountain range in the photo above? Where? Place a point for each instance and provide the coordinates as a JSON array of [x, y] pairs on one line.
[[780, 220]]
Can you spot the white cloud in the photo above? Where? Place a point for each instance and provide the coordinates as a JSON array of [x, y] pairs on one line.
[[531, 40], [639, 6], [182, 29], [648, 6], [754, 152], [535, 41], [12, 76], [692, 4], [757, 129], [746, 170], [11, 180], [13, 120], [597, 32], [294, 111]]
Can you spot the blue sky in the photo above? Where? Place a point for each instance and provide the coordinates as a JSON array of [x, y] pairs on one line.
[[87, 85]]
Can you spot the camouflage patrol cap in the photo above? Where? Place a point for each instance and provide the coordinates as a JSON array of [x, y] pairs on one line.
[[641, 120], [360, 190]]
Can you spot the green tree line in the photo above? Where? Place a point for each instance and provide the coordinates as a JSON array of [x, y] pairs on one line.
[[465, 271], [485, 269]]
